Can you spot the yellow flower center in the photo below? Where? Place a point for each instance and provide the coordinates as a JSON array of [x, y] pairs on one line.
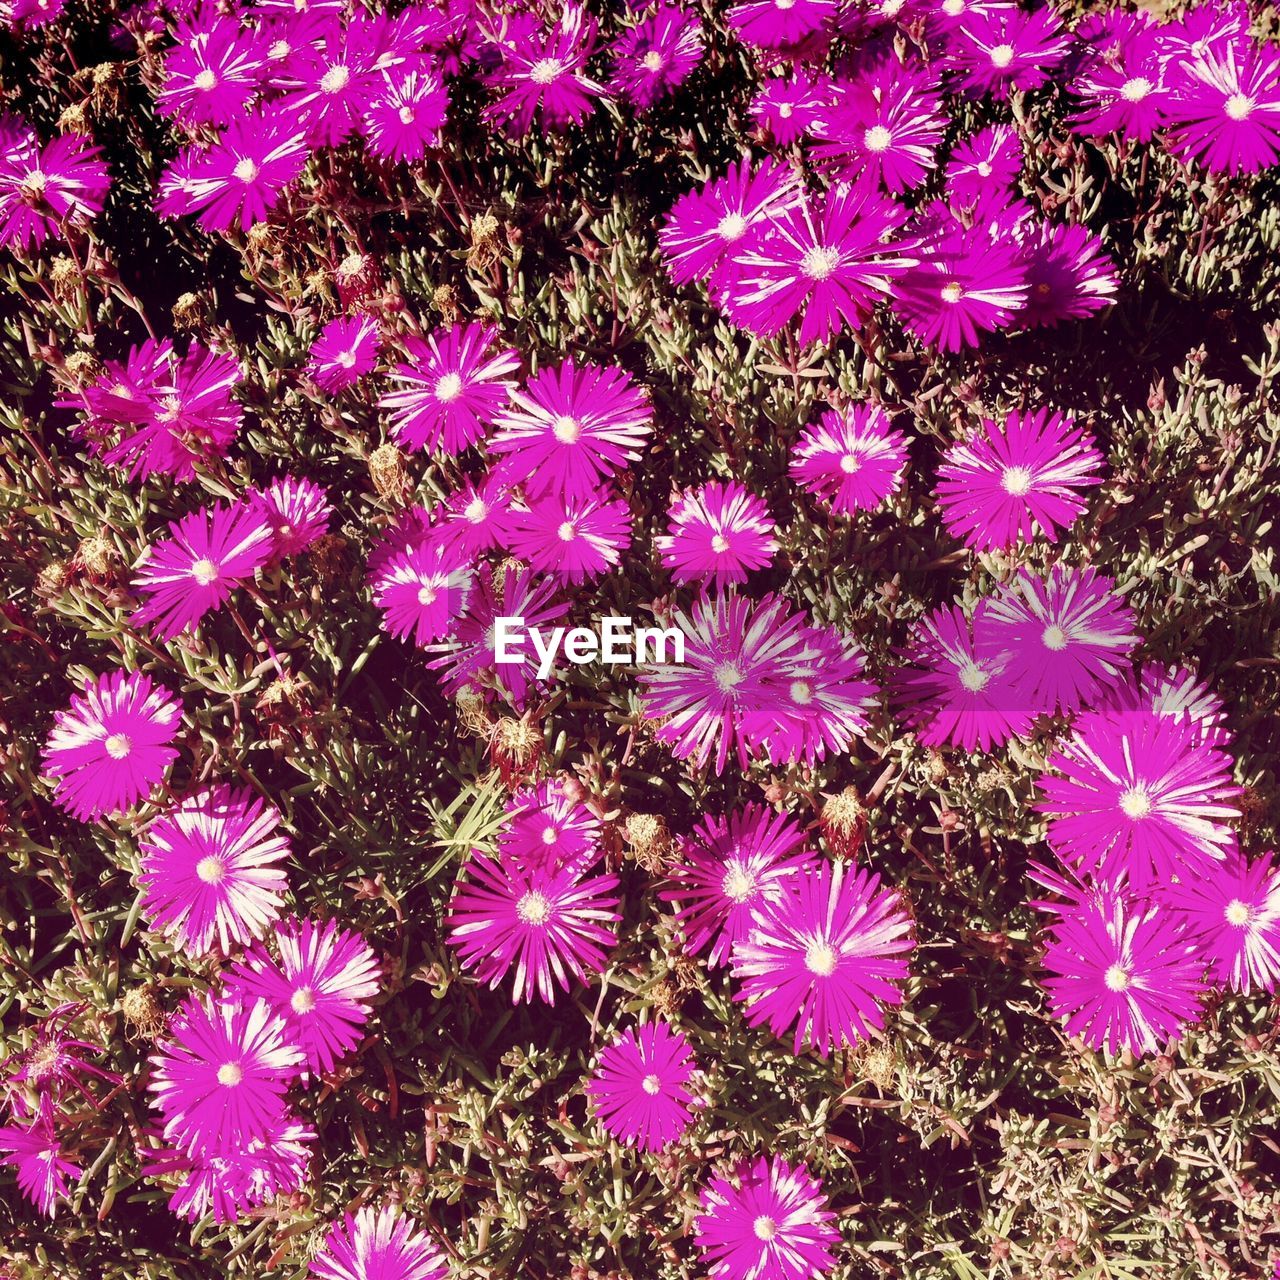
[[118, 746], [533, 908], [820, 959], [230, 1074], [204, 571]]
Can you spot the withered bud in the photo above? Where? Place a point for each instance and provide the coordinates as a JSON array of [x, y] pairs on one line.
[[188, 311], [65, 277], [142, 1009], [515, 749], [648, 836], [82, 367], [52, 580], [444, 298], [74, 119], [387, 471], [96, 556]]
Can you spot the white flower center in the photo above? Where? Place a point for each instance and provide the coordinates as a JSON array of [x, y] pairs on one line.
[[347, 359], [475, 510], [1016, 480], [230, 1074], [533, 908], [426, 595], [204, 571], [245, 171], [1054, 637], [118, 746], [1135, 803], [567, 531], [1002, 55], [728, 677], [653, 61], [952, 291], [801, 692], [1238, 106], [1238, 913], [719, 544], [566, 429], [820, 261], [984, 169], [652, 1085], [1136, 89], [335, 79], [972, 677], [738, 883], [35, 182], [405, 115], [303, 1000], [850, 463], [820, 959], [279, 51], [211, 869], [877, 138], [785, 110], [205, 81], [785, 4], [546, 70], [765, 1227], [733, 226], [448, 388], [1117, 978], [550, 835], [953, 8]]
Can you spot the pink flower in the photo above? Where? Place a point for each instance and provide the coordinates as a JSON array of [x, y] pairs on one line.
[[825, 957], [656, 56], [546, 830], [719, 531], [43, 1169], [1069, 275], [112, 745], [208, 869], [639, 1090], [406, 114], [985, 162], [422, 593], [852, 459], [41, 188], [774, 24], [1001, 47], [214, 73], [345, 351], [576, 540], [297, 511], [378, 1245], [790, 108]]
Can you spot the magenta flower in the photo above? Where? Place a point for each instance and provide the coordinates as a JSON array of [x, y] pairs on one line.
[[719, 531], [208, 869], [378, 1245], [656, 56], [825, 957], [885, 126], [241, 177], [767, 1221], [547, 831], [52, 1064], [707, 226], [422, 592], [43, 188], [1139, 795], [577, 541], [471, 520], [790, 108], [1068, 637], [999, 47], [1007, 483], [344, 353], [774, 24], [406, 114], [1122, 85], [220, 1077], [1235, 915], [729, 869], [985, 162], [43, 1169], [570, 428], [547, 923], [1069, 275], [1123, 975], [112, 745], [213, 75], [958, 687], [297, 511], [321, 986], [828, 260], [211, 552], [852, 459], [543, 74], [452, 389], [1179, 694], [1224, 111], [639, 1090], [330, 79]]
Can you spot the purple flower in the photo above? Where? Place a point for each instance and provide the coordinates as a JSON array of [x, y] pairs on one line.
[[767, 1221], [985, 162], [211, 552], [656, 56], [1069, 275], [577, 541], [545, 830], [220, 1077], [330, 80], [297, 511], [41, 188], [214, 74], [1123, 974], [1139, 795], [35, 1152], [825, 957], [726, 871], [422, 592], [999, 47], [1179, 694], [543, 74], [406, 114], [112, 745], [321, 986], [378, 1245], [1122, 82], [345, 351], [958, 687], [474, 520], [852, 459], [545, 922], [208, 870], [790, 108], [720, 531], [829, 259], [774, 24], [569, 428], [1068, 637], [452, 389], [51, 1065], [1007, 483], [639, 1090]]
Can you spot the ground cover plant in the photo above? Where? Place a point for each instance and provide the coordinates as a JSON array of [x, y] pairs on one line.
[[914, 363]]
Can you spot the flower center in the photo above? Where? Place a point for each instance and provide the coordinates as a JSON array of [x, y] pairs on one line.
[[426, 595], [765, 1227], [205, 81], [728, 677], [820, 959], [335, 79], [567, 531], [785, 4], [230, 1074], [1136, 89], [550, 835], [877, 138], [850, 463], [449, 388], [475, 510], [204, 571], [1238, 913], [653, 61], [1135, 803], [801, 692], [1117, 978], [820, 261], [972, 677], [719, 544], [952, 291], [245, 171], [211, 869], [405, 115], [733, 226], [346, 359], [279, 51], [1016, 480], [566, 429], [984, 169], [546, 70], [303, 1000], [1238, 106], [533, 908], [652, 1085], [34, 183], [1002, 55], [118, 746], [738, 883], [953, 8], [1054, 638], [785, 110]]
